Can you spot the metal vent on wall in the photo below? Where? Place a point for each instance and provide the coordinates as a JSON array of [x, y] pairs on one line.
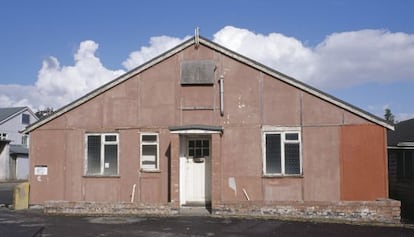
[[200, 72]]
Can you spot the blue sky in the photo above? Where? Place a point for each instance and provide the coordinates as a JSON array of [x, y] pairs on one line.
[[52, 52]]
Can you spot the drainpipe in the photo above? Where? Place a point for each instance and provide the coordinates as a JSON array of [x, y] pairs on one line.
[[221, 95]]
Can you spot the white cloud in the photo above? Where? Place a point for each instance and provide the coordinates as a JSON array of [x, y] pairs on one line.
[[67, 83], [158, 45], [58, 85], [399, 117], [352, 58], [19, 95], [286, 54], [341, 60]]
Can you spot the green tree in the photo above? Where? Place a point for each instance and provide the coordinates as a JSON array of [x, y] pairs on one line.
[[388, 115]]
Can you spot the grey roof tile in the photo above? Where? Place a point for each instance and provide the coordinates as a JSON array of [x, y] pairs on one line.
[[9, 111], [404, 132]]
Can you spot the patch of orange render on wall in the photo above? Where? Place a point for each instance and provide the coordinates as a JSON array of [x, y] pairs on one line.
[[363, 162]]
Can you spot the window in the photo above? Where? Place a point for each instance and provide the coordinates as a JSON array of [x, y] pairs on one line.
[[25, 119], [3, 136], [25, 140], [282, 152], [149, 151], [102, 154], [198, 148], [405, 164]]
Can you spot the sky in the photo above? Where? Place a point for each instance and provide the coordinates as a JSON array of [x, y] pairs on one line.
[[362, 52]]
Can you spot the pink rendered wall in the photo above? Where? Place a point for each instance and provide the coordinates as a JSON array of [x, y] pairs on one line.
[[154, 100]]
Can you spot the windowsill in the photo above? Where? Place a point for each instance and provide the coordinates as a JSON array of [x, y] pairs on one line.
[[150, 171], [101, 176], [282, 176]]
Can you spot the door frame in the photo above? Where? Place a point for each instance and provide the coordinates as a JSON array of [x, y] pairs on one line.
[[184, 139]]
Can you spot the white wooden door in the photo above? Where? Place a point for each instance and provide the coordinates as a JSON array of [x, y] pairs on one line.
[[197, 172]]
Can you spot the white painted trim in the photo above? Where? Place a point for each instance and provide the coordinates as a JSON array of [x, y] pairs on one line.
[[102, 158], [183, 175], [142, 143], [270, 128], [195, 131], [400, 148], [266, 129], [405, 144], [182, 170]]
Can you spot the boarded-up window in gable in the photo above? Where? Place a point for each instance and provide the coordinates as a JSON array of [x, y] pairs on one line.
[[200, 72]]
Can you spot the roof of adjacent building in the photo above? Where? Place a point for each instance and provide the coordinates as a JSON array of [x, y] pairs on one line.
[[403, 135], [18, 149], [240, 58], [9, 112]]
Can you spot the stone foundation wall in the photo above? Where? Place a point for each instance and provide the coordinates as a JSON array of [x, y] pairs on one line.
[[381, 211], [102, 208]]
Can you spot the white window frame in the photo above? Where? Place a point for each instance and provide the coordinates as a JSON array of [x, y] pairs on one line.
[[25, 140], [143, 143], [3, 136], [102, 158], [282, 131]]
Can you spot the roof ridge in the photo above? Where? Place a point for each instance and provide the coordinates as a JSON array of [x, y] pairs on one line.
[[234, 55]]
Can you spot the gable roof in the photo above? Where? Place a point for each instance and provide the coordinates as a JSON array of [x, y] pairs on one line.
[[9, 112], [403, 134], [203, 41]]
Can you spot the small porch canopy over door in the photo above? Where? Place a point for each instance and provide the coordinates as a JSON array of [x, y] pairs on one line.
[[196, 129], [195, 163]]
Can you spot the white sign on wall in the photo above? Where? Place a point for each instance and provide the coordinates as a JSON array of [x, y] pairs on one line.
[[40, 170]]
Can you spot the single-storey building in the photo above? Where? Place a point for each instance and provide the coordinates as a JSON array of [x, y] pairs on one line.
[[203, 125], [401, 166]]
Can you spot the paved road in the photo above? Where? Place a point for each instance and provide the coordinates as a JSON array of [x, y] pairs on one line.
[[34, 223]]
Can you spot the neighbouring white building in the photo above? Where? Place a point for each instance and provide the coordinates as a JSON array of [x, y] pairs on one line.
[[14, 152]]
